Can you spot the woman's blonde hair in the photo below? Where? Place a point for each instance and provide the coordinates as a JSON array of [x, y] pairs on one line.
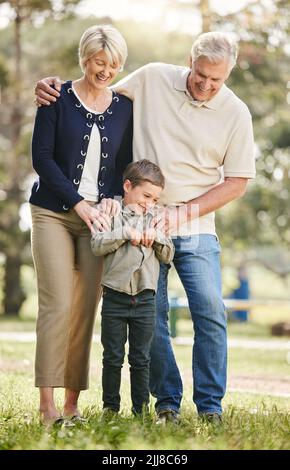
[[102, 37]]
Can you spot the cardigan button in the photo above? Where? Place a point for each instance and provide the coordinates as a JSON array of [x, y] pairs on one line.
[[65, 208], [105, 139], [76, 182], [80, 166], [83, 154], [102, 195], [101, 183], [103, 168], [86, 137], [104, 155]]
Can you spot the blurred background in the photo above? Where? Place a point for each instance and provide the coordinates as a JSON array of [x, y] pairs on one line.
[[40, 38]]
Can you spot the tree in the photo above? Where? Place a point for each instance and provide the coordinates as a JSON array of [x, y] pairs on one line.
[[14, 162]]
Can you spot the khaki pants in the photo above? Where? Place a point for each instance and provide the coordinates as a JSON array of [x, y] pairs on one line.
[[69, 289]]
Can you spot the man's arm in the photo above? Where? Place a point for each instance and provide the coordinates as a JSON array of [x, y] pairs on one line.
[[220, 195], [232, 188], [128, 86]]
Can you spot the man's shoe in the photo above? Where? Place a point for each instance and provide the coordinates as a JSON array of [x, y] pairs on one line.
[[167, 416], [212, 418]]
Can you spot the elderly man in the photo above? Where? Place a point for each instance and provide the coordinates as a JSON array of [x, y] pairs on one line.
[[199, 132]]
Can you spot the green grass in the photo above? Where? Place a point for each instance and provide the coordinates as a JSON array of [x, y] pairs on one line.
[[255, 424], [251, 421]]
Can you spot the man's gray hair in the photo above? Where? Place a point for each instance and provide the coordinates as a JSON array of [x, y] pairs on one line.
[[216, 47]]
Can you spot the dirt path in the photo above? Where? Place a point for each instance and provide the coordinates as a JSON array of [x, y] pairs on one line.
[[274, 386], [240, 343]]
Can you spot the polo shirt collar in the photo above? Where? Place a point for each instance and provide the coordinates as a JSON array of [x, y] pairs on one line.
[[180, 85]]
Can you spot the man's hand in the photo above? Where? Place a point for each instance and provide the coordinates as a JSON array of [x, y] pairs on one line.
[[92, 216], [172, 218], [111, 207], [148, 237], [45, 94]]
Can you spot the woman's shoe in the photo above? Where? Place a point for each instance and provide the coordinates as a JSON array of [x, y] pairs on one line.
[[51, 421]]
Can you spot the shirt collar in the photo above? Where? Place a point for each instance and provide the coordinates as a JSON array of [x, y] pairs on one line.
[[180, 85], [127, 210]]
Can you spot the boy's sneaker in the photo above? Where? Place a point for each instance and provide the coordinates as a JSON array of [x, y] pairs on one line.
[[167, 416], [212, 418], [109, 414]]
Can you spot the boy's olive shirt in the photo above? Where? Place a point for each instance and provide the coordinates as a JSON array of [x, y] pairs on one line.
[[127, 268]]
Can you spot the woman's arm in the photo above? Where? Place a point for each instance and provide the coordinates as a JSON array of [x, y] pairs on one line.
[[43, 148], [43, 151]]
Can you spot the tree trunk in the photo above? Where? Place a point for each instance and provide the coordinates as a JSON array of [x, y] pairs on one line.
[[205, 15], [13, 293]]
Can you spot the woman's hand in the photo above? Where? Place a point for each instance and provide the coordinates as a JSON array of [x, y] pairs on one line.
[[91, 215], [45, 94], [111, 207]]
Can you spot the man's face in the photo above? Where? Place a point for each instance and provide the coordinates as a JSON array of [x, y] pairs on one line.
[[141, 198], [99, 71], [206, 78]]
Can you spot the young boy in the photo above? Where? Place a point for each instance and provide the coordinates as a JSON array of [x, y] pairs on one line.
[[133, 250]]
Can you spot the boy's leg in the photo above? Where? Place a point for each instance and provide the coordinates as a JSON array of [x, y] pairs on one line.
[[141, 332], [113, 337]]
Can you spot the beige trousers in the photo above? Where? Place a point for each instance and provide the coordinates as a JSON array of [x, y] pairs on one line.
[[69, 289]]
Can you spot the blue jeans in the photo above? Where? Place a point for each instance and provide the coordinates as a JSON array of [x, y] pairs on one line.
[[197, 262], [125, 317]]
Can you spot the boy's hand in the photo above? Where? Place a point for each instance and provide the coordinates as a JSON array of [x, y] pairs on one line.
[[148, 237], [45, 94], [111, 207], [133, 235]]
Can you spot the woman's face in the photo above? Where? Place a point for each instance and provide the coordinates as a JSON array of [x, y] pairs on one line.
[[99, 71]]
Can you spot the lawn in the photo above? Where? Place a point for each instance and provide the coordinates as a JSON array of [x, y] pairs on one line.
[[253, 417]]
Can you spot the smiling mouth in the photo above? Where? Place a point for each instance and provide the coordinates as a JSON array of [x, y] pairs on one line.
[[102, 79]]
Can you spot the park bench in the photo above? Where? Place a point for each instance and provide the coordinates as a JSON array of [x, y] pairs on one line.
[[176, 304]]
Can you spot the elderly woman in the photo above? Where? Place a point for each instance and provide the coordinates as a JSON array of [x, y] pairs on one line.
[[81, 145]]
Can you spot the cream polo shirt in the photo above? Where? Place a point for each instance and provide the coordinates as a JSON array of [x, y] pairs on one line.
[[195, 146]]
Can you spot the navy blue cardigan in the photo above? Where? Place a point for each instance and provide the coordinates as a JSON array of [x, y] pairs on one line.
[[59, 145]]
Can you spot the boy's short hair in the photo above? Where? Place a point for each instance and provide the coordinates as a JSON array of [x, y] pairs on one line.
[[142, 171]]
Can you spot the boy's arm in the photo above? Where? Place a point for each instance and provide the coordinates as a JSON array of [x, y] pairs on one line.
[[106, 242], [163, 248]]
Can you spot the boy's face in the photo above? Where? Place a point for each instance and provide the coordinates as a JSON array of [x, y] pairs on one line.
[[141, 198]]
